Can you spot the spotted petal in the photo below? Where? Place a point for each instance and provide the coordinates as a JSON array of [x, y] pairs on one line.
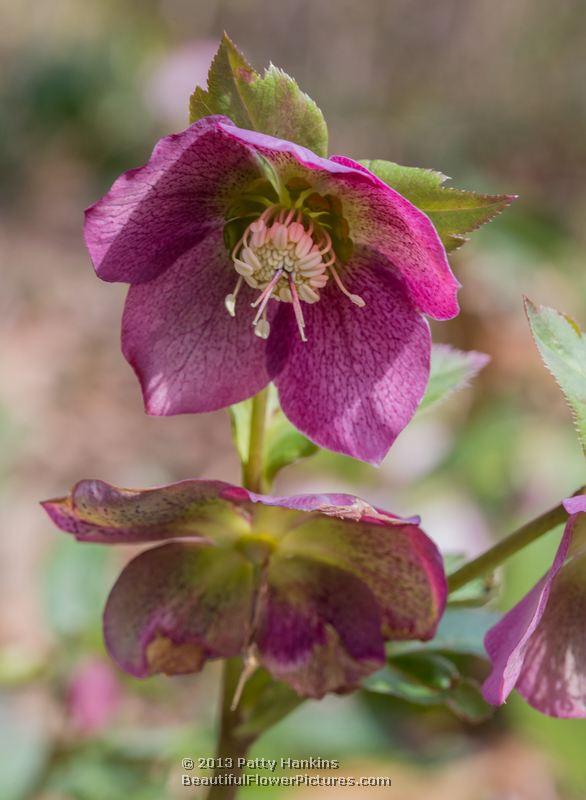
[[96, 511], [178, 605], [337, 589], [357, 381]]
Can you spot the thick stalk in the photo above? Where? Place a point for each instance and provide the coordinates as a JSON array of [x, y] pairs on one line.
[[231, 746], [507, 547], [252, 471]]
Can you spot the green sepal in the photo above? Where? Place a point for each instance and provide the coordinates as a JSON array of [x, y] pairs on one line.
[[272, 103], [450, 370], [453, 212], [562, 346]]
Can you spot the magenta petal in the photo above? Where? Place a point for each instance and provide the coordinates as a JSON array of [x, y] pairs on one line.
[[189, 354], [175, 606], [318, 628], [357, 381], [154, 214], [96, 511], [379, 217], [539, 646]]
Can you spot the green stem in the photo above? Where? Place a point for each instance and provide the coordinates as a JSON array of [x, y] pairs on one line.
[[232, 746], [507, 547], [252, 470]]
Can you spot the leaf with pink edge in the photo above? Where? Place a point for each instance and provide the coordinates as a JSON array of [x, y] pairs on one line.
[[272, 103], [454, 212]]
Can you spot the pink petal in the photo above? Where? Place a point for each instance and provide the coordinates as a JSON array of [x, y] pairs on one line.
[[189, 354], [357, 381], [154, 214]]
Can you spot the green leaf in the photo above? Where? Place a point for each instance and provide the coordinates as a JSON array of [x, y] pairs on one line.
[[272, 103], [461, 630], [429, 679], [451, 370], [562, 346], [453, 212], [264, 702], [467, 703]]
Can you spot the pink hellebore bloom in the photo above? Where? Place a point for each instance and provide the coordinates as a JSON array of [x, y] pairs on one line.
[[309, 587], [338, 268], [539, 647]]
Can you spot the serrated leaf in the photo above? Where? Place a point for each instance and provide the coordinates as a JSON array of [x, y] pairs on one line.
[[454, 212], [451, 370], [272, 103], [562, 346]]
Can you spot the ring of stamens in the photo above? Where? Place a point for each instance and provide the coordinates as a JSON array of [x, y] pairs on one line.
[[287, 260]]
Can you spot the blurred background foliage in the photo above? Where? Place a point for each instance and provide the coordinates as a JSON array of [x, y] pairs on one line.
[[491, 94]]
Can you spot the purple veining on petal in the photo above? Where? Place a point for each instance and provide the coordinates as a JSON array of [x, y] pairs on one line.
[[355, 384]]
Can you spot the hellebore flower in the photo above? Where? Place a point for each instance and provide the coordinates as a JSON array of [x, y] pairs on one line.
[[337, 266], [94, 696], [539, 646], [309, 587]]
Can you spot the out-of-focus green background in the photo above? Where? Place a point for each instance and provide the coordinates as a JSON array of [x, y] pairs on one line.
[[489, 93]]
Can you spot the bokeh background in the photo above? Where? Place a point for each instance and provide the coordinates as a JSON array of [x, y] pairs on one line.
[[489, 93]]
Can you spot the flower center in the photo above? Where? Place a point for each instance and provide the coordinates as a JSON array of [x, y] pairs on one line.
[[287, 260]]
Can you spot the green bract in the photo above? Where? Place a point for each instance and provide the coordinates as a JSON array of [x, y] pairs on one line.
[[454, 212], [272, 103]]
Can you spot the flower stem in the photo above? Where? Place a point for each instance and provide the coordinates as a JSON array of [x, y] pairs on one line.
[[232, 746], [507, 547], [252, 470]]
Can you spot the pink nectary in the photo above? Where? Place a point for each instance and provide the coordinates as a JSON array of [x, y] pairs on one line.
[[160, 229]]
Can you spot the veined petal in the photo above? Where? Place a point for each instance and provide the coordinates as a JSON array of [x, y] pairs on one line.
[[177, 605], [379, 217], [99, 512], [318, 628], [357, 381], [189, 354], [154, 214], [401, 566], [539, 647]]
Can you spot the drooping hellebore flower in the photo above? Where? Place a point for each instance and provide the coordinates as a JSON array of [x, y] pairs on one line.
[[539, 646], [309, 587], [338, 268]]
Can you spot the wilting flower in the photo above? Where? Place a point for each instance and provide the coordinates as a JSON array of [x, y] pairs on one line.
[[539, 647], [310, 587], [337, 266]]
